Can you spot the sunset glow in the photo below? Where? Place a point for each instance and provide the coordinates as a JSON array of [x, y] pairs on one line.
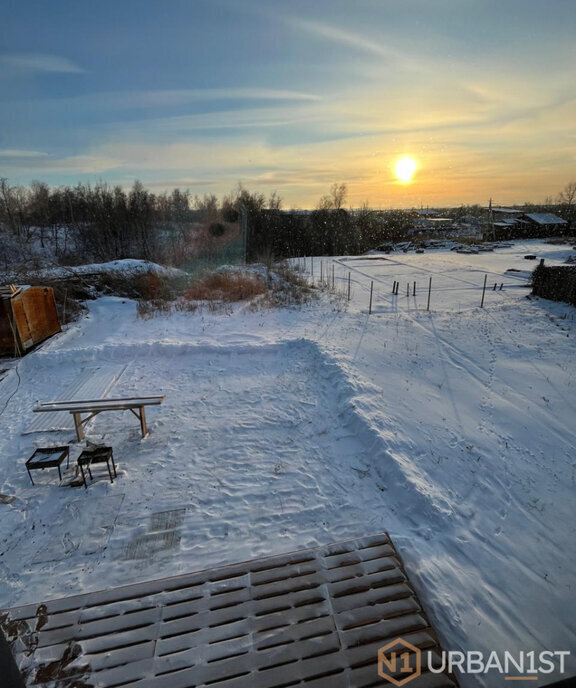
[[390, 92]]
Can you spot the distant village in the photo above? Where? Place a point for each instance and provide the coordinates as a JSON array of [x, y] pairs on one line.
[[495, 223], [488, 223]]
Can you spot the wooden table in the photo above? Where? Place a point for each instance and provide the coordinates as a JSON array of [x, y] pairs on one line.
[[93, 407]]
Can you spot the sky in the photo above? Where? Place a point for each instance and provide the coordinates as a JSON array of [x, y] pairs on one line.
[[293, 96]]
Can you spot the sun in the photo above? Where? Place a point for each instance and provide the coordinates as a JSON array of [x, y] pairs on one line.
[[404, 169]]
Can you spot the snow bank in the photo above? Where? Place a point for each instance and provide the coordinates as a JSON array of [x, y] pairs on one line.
[[126, 266]]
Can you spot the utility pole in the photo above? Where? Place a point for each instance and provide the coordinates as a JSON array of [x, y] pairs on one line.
[[491, 220]]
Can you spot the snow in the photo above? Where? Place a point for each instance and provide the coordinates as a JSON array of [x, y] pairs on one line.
[[131, 266], [453, 429]]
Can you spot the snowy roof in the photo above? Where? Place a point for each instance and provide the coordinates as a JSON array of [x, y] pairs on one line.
[[545, 219], [496, 209], [505, 223]]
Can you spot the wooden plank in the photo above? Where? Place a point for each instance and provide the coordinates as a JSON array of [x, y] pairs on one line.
[[95, 381], [97, 405], [100, 399], [41, 314], [20, 324], [8, 345]]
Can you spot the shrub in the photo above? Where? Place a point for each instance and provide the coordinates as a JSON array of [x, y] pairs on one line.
[[555, 283], [217, 229], [226, 286]]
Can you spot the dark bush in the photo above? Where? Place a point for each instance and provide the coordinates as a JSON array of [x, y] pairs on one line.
[[217, 229], [230, 214], [555, 283]]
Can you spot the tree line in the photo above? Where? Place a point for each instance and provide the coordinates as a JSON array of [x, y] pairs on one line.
[[101, 222]]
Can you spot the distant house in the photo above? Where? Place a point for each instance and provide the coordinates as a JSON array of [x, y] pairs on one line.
[[511, 223], [547, 222], [433, 223]]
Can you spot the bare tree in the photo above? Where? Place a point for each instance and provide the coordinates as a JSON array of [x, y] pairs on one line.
[[338, 192], [568, 195], [239, 198], [208, 205], [274, 201], [11, 206], [335, 199], [39, 206]]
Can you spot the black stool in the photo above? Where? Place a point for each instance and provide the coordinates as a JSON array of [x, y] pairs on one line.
[[96, 455], [48, 457]]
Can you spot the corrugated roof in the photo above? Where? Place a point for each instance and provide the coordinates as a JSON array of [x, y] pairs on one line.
[[546, 219], [499, 209]]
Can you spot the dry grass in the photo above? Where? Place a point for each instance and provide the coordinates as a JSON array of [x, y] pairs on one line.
[[289, 287], [215, 292], [281, 286], [226, 287], [150, 308]]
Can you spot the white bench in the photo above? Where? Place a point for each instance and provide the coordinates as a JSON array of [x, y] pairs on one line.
[[95, 406]]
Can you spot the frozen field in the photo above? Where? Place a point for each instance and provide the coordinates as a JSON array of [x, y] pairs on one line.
[[453, 429]]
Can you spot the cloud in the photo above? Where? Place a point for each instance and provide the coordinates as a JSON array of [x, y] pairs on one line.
[[349, 38], [38, 62], [224, 123], [13, 153], [42, 164], [177, 97], [409, 58], [155, 99]]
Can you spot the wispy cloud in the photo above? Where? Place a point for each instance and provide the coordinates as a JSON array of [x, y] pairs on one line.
[[222, 123], [157, 99], [38, 62], [346, 37], [191, 95], [383, 49], [14, 153]]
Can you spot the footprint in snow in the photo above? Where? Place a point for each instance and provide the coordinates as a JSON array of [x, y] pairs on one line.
[[69, 544]]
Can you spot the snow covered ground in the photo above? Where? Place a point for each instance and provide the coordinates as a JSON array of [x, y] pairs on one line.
[[129, 266], [453, 429]]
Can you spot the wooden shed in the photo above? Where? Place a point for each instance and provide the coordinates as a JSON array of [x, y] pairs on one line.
[[28, 316]]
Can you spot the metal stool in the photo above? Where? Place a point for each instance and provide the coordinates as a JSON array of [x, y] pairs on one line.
[[96, 455], [48, 457]]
